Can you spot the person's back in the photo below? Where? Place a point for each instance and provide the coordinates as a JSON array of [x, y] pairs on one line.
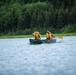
[[48, 35], [36, 35]]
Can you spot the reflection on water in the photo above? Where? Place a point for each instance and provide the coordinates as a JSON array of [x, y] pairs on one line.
[[18, 57]]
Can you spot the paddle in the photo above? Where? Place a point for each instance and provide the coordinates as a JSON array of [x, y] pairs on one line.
[[60, 37]]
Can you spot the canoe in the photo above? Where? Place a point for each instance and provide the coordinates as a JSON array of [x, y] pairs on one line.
[[41, 41]]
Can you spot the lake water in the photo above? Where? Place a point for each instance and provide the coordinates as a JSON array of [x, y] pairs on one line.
[[18, 57]]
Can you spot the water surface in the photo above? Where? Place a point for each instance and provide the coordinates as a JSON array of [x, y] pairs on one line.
[[18, 57]]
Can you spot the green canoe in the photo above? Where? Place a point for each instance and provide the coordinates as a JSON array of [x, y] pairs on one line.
[[41, 41]]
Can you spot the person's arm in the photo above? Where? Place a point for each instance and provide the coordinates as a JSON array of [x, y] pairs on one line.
[[53, 36]]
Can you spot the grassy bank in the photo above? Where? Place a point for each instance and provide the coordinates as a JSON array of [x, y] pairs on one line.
[[27, 36], [15, 36], [66, 34]]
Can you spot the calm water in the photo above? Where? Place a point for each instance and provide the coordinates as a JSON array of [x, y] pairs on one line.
[[18, 57]]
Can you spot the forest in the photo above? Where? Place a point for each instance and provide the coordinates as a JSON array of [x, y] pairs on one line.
[[23, 17]]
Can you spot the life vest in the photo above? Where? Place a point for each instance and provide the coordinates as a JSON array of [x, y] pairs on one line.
[[49, 36], [36, 35]]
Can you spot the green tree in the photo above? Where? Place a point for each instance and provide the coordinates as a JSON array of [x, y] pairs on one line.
[[34, 20], [40, 21], [27, 20]]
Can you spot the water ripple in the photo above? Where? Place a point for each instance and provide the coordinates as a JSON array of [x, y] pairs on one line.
[[18, 57]]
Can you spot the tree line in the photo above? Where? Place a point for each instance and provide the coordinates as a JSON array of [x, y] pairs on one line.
[[26, 16]]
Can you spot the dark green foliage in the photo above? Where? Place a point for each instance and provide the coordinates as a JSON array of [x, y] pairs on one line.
[[69, 28], [26, 16]]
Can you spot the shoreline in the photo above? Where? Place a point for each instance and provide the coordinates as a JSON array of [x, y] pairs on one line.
[[42, 35]]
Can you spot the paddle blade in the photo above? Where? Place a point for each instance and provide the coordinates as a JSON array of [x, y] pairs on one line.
[[60, 37]]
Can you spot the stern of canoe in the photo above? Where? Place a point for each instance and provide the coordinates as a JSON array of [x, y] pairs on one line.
[[49, 41]]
